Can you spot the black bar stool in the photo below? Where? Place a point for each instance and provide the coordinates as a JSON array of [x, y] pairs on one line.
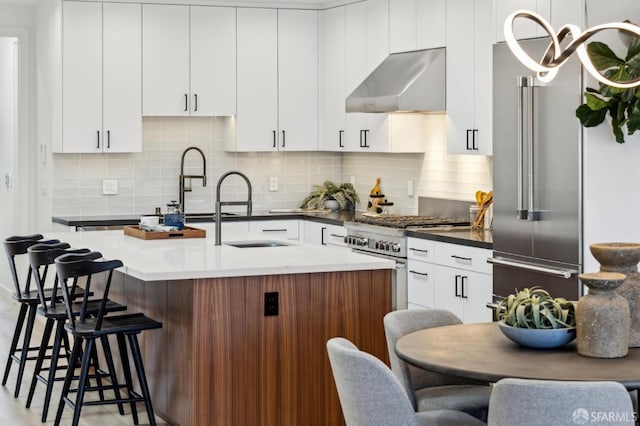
[[54, 312], [86, 328], [28, 299]]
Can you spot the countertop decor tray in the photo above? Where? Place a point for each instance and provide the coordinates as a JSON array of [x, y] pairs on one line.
[[186, 232]]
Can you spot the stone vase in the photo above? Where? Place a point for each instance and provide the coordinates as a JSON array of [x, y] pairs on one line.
[[602, 317], [623, 258]]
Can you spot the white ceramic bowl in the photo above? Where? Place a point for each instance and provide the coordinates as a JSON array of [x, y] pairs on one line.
[[149, 221], [538, 338]]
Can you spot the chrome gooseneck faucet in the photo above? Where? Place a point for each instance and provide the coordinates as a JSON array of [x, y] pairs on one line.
[[219, 203], [183, 187]]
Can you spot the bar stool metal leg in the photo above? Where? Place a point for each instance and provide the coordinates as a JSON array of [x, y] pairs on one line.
[[137, 360], [14, 343], [24, 354]]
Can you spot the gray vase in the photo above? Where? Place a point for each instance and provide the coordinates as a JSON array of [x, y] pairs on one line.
[[623, 258], [602, 317]]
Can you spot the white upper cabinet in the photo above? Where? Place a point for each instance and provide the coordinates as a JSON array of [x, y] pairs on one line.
[[189, 60], [469, 82], [277, 81], [298, 80], [101, 71], [556, 12], [416, 25], [332, 79]]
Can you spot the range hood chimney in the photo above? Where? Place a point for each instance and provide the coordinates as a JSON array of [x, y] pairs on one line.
[[407, 81]]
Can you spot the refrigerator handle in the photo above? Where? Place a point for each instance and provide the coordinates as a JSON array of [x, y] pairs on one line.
[[561, 273], [532, 214], [522, 83]]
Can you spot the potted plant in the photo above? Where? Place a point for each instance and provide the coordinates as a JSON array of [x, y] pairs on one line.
[[622, 105], [344, 196], [531, 317]]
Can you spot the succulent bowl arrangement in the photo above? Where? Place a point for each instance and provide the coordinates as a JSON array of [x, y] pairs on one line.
[[532, 318]]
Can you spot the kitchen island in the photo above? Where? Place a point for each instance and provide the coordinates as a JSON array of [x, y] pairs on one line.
[[220, 359]]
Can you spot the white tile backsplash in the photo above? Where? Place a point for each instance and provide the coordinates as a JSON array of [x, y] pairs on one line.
[[150, 178]]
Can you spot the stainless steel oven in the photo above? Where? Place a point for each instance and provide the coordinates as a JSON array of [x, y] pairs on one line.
[[387, 243], [385, 236]]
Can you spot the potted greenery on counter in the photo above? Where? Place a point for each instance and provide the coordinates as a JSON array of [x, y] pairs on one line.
[[343, 194]]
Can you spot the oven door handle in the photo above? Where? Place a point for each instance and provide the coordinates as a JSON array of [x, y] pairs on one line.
[[562, 273]]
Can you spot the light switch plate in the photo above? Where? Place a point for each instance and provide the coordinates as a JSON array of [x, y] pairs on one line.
[[109, 187], [273, 183]]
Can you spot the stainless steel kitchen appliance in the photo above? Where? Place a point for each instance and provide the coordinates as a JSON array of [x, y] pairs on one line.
[[537, 183], [385, 236]]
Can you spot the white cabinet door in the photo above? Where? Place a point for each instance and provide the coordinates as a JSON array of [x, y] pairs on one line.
[[420, 283], [213, 60], [82, 77], [101, 68], [469, 93], [447, 290], [298, 80], [121, 77], [523, 29], [324, 234], [416, 25], [165, 55], [257, 118], [332, 79], [478, 289]]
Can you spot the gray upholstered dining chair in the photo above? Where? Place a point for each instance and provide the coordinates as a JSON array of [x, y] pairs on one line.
[[559, 403], [429, 390], [371, 395]]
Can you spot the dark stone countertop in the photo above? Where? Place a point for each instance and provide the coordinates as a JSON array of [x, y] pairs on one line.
[[466, 236]]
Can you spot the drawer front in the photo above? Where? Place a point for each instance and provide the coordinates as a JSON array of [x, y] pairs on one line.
[[287, 229], [462, 257], [419, 249], [420, 283], [334, 235]]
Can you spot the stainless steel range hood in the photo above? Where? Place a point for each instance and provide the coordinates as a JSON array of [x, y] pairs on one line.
[[408, 81]]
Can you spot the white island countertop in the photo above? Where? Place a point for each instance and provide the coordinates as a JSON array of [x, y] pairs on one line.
[[188, 258]]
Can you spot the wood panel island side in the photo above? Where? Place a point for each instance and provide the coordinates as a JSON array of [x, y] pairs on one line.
[[219, 359]]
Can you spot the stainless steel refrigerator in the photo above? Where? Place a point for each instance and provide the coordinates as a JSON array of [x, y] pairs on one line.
[[537, 183]]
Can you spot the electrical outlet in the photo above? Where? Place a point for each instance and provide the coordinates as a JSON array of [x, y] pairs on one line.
[[271, 304], [273, 183], [109, 186], [410, 188]]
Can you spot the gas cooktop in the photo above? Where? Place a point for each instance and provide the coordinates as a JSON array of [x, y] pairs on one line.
[[410, 221]]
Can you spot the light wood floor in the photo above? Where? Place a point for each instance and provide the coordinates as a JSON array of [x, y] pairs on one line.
[[13, 411]]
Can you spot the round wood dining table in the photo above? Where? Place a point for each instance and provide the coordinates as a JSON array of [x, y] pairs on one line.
[[482, 352]]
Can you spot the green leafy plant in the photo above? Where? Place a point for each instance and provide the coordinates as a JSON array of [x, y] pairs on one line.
[[622, 105], [535, 308], [344, 193]]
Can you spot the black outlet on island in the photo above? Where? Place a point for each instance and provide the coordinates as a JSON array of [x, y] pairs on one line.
[[271, 304]]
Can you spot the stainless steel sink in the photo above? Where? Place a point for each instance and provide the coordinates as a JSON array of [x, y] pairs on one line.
[[254, 244]]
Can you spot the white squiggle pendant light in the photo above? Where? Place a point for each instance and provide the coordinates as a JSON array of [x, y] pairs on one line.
[[547, 67]]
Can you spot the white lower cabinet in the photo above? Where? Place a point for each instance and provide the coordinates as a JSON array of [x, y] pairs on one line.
[[324, 234], [285, 229], [450, 276]]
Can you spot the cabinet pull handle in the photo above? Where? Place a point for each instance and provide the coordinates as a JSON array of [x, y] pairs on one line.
[[340, 133], [108, 139], [274, 138], [195, 101], [275, 230], [424, 274], [98, 145], [468, 147], [324, 228], [464, 280], [186, 102], [468, 259], [366, 132], [419, 250], [283, 138], [474, 132], [361, 132], [457, 290], [337, 235]]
